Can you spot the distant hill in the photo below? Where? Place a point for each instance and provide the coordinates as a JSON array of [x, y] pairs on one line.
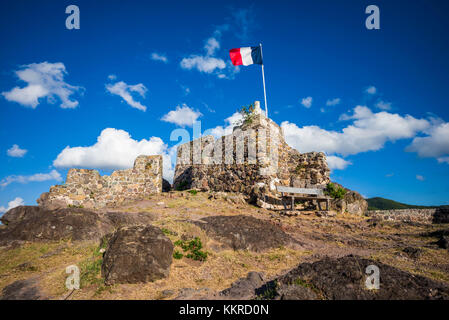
[[378, 203]]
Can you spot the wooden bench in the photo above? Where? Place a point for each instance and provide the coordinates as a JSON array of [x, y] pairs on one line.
[[290, 193]]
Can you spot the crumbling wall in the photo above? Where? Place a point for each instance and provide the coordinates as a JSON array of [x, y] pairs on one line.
[[433, 215], [251, 160], [88, 189]]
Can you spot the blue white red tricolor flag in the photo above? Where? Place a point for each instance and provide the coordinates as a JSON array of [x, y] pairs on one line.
[[246, 56]]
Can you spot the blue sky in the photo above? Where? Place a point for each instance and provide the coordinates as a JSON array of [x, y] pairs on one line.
[[376, 101]]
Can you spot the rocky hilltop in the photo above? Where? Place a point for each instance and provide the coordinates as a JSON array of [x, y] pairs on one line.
[[219, 232]]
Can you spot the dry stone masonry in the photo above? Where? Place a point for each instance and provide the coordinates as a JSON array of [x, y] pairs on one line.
[[435, 215], [86, 188], [251, 160]]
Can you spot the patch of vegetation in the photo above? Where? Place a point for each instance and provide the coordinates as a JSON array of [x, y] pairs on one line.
[[182, 185], [379, 203], [177, 254], [75, 206], [168, 232], [335, 191], [90, 269], [193, 249], [248, 113], [193, 192]]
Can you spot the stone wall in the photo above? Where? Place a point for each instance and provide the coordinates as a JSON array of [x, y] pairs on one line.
[[436, 215], [251, 160], [88, 189]]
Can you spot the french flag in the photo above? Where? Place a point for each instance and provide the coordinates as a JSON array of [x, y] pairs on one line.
[[246, 56]]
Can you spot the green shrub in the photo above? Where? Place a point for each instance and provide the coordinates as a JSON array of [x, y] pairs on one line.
[[177, 255], [334, 191], [193, 192], [248, 113], [193, 249]]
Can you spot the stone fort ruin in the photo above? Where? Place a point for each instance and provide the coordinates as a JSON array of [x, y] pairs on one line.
[[88, 189], [252, 160]]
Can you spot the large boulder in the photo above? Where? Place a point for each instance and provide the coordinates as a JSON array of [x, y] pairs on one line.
[[137, 254], [344, 279], [27, 223], [352, 202], [244, 232]]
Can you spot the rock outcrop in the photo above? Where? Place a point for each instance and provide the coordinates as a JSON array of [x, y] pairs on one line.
[[33, 223], [86, 188], [137, 254], [29, 223], [344, 279], [352, 202], [245, 232]]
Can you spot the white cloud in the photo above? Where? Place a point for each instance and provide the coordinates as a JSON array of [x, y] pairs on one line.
[[12, 204], [159, 57], [307, 102], [112, 77], [333, 102], [368, 132], [212, 44], [371, 90], [419, 177], [38, 177], [383, 105], [209, 63], [230, 123], [115, 149], [435, 144], [182, 116], [16, 152], [337, 163], [44, 80], [125, 92], [203, 63]]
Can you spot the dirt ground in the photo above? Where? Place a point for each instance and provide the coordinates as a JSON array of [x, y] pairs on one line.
[[409, 247]]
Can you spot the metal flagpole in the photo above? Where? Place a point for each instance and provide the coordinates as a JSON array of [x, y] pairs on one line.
[[263, 77]]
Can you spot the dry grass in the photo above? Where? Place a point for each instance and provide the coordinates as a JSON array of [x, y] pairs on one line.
[[323, 236]]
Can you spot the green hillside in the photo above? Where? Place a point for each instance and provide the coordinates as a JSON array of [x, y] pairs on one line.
[[378, 203]]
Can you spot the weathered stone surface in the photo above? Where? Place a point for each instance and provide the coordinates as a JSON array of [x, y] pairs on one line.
[[19, 213], [244, 288], [88, 189], [27, 289], [137, 254], [244, 232], [26, 223], [344, 279], [352, 203], [124, 219], [252, 160], [435, 215]]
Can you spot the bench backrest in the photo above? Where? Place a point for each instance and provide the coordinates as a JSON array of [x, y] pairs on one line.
[[318, 192]]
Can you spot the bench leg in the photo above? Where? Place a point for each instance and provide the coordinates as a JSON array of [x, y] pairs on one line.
[[327, 204], [319, 205], [293, 203], [284, 202]]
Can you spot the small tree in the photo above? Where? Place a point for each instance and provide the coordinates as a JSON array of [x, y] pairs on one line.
[[334, 191], [248, 113]]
